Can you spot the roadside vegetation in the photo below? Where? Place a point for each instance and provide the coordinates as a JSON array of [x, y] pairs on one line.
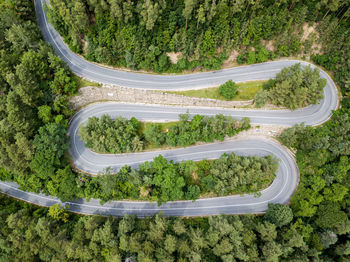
[[63, 236], [294, 87], [228, 89], [35, 86], [81, 82], [245, 91], [120, 135], [200, 34], [161, 180]]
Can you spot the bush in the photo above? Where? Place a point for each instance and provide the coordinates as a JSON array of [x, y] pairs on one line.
[[261, 98], [241, 58], [262, 55], [251, 57], [154, 134], [228, 89], [164, 63], [269, 84]]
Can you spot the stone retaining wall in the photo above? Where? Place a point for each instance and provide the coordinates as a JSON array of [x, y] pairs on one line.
[[131, 95]]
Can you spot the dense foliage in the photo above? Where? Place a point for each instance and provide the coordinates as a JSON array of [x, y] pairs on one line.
[[35, 86], [122, 135], [294, 87], [138, 34], [335, 56], [316, 226], [114, 136], [162, 180], [29, 233], [322, 198], [228, 89]]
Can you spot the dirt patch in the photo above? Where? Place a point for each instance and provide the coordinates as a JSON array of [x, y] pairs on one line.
[[231, 60], [84, 45], [92, 94], [144, 192], [310, 34], [174, 57], [194, 176], [308, 30], [269, 45], [271, 131]]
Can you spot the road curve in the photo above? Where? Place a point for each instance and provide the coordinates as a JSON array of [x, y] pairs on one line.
[[312, 115], [279, 191]]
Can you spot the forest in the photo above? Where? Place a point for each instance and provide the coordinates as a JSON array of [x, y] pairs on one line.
[[30, 233], [140, 34], [34, 113], [121, 135], [35, 87], [315, 226]]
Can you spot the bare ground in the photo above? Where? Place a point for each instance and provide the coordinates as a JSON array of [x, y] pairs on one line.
[[231, 61], [174, 57], [91, 94]]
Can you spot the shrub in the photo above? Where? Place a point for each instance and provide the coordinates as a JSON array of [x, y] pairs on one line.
[[241, 58], [154, 134], [262, 55], [251, 57], [261, 98], [228, 89]]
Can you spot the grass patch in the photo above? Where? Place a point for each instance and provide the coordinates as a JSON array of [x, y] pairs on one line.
[[246, 91], [164, 126], [83, 82]]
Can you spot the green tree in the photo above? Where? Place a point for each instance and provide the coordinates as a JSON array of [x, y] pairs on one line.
[[297, 87], [200, 15], [279, 214], [153, 134], [208, 47], [261, 98], [329, 215], [50, 144], [150, 12], [168, 183], [44, 113], [228, 89], [187, 11], [58, 212]]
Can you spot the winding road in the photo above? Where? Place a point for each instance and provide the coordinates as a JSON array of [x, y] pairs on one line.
[[84, 159]]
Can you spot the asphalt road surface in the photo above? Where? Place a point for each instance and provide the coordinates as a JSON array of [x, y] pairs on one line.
[[279, 191]]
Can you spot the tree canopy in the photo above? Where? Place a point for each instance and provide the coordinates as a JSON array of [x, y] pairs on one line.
[[139, 35], [121, 135], [228, 89], [293, 87]]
